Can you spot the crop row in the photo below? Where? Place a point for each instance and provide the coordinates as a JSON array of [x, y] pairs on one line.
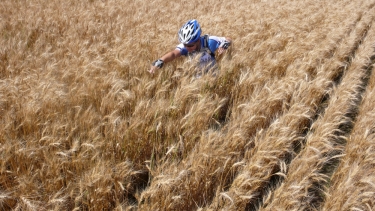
[[252, 139], [309, 173]]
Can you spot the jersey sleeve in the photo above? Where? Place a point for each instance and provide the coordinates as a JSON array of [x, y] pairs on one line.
[[182, 49], [214, 42]]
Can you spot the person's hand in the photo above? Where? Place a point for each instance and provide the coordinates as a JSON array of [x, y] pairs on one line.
[[223, 46], [220, 50], [152, 69], [156, 65]]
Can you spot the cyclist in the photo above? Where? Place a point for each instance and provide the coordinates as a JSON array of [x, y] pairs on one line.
[[193, 44]]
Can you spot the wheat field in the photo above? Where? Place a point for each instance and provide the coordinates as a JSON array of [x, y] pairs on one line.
[[287, 124]]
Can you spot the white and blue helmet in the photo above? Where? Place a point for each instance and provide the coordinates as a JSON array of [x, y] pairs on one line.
[[189, 32]]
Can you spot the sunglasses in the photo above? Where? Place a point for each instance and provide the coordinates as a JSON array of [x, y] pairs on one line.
[[189, 45]]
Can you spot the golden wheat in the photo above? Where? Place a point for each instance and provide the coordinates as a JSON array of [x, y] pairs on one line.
[[352, 183], [309, 172], [83, 126], [208, 164]]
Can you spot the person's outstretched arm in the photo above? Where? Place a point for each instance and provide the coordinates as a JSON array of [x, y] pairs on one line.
[[164, 59]]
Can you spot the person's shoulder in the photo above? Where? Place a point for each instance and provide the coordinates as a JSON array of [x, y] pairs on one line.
[[214, 42], [182, 49], [180, 46], [216, 38]]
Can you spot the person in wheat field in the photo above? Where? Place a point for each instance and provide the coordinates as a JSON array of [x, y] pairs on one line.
[[192, 44]]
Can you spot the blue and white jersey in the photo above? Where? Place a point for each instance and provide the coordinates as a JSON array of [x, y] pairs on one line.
[[213, 44], [207, 59]]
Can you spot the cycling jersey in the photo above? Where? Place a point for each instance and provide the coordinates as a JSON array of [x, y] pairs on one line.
[[207, 52], [213, 44]]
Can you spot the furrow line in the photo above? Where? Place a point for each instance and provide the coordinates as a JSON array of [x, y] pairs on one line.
[[212, 164], [310, 171], [274, 147]]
